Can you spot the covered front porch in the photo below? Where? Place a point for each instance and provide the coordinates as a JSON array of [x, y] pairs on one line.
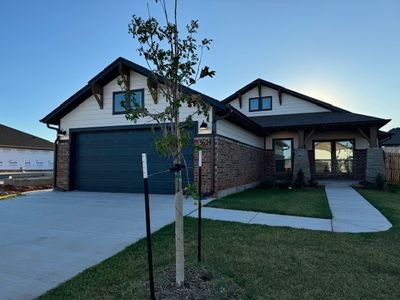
[[341, 150]]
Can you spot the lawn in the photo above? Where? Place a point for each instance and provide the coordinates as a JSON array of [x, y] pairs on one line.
[[265, 262], [307, 202], [9, 196]]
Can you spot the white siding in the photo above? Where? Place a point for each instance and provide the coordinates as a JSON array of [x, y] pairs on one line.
[[290, 104], [89, 114], [230, 130], [26, 159]]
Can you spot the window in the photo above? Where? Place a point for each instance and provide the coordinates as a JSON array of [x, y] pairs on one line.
[[136, 99], [260, 103], [334, 157], [283, 155]]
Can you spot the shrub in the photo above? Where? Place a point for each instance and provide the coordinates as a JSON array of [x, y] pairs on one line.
[[299, 182], [267, 183], [379, 182]]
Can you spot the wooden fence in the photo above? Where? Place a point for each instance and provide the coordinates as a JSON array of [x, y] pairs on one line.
[[393, 168]]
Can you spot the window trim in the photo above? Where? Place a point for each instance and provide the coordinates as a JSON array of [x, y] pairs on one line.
[[260, 103], [121, 92], [291, 153]]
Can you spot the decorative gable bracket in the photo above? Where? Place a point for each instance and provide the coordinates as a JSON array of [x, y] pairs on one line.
[[125, 75], [97, 91]]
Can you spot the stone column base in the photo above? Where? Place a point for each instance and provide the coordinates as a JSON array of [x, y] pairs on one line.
[[301, 161], [375, 164]]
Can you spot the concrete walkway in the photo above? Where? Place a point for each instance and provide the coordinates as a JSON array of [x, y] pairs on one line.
[[350, 211]]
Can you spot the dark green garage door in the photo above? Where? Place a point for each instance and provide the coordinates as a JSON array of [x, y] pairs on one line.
[[111, 161]]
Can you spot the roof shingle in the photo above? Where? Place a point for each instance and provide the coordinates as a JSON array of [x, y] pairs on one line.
[[10, 137]]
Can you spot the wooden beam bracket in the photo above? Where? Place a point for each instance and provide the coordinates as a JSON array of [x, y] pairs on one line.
[[97, 91], [125, 75], [280, 96], [259, 89], [240, 100], [309, 136]]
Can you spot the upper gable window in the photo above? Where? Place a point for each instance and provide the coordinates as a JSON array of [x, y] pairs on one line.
[[260, 103], [119, 97]]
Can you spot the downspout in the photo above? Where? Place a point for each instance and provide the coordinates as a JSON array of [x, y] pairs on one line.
[[55, 154]]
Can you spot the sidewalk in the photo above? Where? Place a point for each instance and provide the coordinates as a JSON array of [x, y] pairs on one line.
[[351, 213]]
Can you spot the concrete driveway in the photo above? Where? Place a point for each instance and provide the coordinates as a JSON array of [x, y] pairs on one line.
[[48, 237]]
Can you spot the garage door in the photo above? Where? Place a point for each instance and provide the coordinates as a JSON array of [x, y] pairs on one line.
[[110, 161]]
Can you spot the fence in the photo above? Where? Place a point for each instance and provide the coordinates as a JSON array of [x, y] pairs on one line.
[[393, 168]]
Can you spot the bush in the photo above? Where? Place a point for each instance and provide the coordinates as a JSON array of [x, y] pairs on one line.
[[379, 182], [299, 182], [267, 183]]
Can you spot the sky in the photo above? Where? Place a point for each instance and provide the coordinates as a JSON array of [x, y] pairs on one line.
[[345, 52]]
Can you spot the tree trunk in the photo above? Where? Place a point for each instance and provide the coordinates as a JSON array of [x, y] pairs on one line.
[[179, 237]]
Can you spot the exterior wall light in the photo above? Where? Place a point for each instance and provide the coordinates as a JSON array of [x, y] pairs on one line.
[[204, 125]]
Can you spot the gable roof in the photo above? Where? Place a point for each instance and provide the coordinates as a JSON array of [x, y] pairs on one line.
[[394, 140], [13, 138], [274, 86], [317, 119], [108, 74]]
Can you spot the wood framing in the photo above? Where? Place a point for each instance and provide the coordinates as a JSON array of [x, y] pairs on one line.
[[125, 75], [280, 96], [309, 136], [97, 91], [301, 142], [240, 100], [373, 137], [259, 89]]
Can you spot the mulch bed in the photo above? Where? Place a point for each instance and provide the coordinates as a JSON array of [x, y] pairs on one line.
[[199, 284], [13, 190]]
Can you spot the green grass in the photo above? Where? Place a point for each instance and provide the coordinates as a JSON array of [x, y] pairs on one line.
[[307, 202], [266, 262], [10, 196]]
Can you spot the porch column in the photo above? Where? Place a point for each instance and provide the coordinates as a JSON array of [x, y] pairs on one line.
[[373, 137], [301, 161], [301, 138]]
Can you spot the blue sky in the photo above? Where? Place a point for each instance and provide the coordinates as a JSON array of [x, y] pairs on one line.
[[346, 52]]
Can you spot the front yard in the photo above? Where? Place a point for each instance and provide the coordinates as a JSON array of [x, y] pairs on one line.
[[306, 202], [264, 262]]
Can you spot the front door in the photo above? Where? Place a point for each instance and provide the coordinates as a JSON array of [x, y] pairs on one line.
[[334, 158]]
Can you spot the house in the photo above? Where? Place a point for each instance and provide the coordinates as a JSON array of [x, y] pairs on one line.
[[392, 143], [262, 129], [20, 151]]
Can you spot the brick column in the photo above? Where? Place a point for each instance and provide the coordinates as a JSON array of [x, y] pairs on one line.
[[375, 164], [301, 161], [62, 176]]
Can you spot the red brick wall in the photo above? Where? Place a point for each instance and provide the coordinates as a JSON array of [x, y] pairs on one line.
[[237, 164], [207, 168], [62, 176]]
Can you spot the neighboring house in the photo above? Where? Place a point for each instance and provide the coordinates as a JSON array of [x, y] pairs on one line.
[[20, 151], [392, 144], [261, 130]]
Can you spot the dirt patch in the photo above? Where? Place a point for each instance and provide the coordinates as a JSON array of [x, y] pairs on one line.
[[199, 284]]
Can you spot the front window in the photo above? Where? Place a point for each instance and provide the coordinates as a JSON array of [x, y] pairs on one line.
[[135, 98], [334, 157], [260, 103], [283, 155]]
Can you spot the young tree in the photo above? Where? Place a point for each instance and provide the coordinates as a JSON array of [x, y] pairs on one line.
[[175, 63]]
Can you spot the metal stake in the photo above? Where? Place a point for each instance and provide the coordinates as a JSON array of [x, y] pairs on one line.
[[148, 229], [199, 209]]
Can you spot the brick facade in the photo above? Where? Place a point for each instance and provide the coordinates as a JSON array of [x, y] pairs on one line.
[[235, 164], [207, 177], [63, 155], [360, 163]]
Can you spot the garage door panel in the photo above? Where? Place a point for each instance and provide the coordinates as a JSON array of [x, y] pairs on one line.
[[111, 161]]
